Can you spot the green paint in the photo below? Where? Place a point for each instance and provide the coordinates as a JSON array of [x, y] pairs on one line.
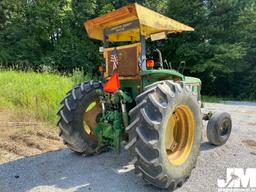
[[133, 87], [192, 80], [152, 76], [163, 74], [110, 127], [109, 130], [195, 84]]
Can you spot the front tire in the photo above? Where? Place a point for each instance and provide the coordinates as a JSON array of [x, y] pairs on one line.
[[219, 128], [165, 134]]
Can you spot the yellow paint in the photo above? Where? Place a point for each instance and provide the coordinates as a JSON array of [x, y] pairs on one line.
[[150, 23], [91, 106], [179, 135]]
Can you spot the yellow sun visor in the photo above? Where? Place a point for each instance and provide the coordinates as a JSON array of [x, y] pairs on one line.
[[129, 22]]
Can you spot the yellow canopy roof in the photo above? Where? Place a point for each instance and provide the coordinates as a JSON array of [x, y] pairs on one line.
[[127, 23]]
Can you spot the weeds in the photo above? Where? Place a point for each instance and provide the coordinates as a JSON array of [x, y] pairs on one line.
[[35, 94], [79, 76]]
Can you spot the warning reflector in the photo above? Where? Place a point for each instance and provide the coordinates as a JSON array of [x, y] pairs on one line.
[[113, 84]]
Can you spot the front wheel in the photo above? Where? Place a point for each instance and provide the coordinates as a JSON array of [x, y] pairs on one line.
[[219, 128], [165, 134]]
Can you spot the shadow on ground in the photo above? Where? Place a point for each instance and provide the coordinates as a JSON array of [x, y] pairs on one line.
[[65, 170], [207, 146]]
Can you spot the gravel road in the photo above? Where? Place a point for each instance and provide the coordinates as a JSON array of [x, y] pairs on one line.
[[66, 171]]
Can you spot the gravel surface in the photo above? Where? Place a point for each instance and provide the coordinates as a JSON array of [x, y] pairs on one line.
[[65, 171]]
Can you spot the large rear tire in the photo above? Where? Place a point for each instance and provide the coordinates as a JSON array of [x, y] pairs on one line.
[[165, 134], [78, 115]]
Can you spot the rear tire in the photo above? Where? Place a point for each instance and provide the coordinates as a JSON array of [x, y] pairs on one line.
[[148, 134], [71, 118]]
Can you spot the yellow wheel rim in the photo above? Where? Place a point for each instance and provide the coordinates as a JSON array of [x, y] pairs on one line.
[[179, 135], [91, 106], [90, 116]]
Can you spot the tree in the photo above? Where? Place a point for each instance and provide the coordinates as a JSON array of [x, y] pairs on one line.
[[214, 52], [221, 51], [246, 24]]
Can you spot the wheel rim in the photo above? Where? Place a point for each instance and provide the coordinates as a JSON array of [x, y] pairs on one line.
[[224, 127], [179, 136], [90, 116]]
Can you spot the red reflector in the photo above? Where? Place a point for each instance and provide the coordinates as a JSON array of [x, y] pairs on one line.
[[113, 84]]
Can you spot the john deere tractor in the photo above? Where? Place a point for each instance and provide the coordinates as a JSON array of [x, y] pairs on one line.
[[140, 100]]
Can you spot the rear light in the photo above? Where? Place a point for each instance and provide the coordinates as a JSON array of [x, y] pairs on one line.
[[150, 63]]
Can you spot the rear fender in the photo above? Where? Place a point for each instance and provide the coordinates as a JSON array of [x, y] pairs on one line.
[[152, 76]]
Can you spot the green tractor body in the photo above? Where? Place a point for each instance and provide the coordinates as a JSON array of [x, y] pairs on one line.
[[112, 124], [140, 100]]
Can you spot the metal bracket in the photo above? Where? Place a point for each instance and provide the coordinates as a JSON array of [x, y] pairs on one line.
[[207, 116]]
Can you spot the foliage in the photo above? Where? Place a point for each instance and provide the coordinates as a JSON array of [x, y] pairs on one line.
[[34, 94], [37, 33], [41, 34], [79, 76], [218, 50]]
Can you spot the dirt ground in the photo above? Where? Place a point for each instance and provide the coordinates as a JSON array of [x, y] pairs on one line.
[[65, 171], [23, 137]]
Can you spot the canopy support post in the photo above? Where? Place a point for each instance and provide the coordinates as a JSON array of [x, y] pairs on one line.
[[105, 40], [143, 52]]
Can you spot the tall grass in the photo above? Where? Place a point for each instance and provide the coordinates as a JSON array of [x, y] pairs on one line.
[[34, 94], [79, 76], [39, 94]]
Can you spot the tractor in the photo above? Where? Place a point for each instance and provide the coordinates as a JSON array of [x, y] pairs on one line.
[[139, 101]]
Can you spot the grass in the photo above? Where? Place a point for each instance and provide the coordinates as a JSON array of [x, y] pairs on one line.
[[38, 95], [214, 99], [35, 94], [211, 99]]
